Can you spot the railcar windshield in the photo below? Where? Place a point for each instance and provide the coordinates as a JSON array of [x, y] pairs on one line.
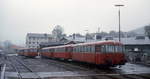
[[118, 48]]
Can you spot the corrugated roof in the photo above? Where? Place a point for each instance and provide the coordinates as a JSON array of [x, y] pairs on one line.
[[134, 41]]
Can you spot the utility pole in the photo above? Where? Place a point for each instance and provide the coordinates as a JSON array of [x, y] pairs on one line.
[[98, 30], [119, 5]]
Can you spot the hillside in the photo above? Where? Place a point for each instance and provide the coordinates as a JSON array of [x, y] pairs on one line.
[[138, 31]]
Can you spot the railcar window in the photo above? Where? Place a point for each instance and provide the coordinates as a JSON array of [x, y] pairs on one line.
[[93, 49], [63, 49], [109, 48], [22, 51], [31, 50], [123, 49], [120, 49], [103, 48], [98, 48], [43, 50], [69, 49], [66, 49], [28, 50], [81, 48], [88, 49], [54, 50], [25, 50], [84, 49], [78, 49], [74, 49], [34, 50], [51, 50], [46, 50], [60, 50]]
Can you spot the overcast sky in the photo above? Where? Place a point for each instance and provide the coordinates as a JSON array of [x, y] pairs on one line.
[[19, 17]]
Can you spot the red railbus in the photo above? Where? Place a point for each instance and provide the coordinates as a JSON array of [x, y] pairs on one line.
[[105, 53], [57, 52], [20, 52], [29, 52], [47, 52]]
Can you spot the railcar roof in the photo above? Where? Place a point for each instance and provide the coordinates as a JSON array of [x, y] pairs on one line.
[[26, 48], [58, 46], [99, 42], [90, 43]]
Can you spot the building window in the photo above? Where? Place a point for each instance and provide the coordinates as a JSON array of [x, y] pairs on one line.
[[29, 38], [33, 38]]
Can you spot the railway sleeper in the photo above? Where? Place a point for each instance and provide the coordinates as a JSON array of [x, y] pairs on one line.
[[132, 76], [143, 76]]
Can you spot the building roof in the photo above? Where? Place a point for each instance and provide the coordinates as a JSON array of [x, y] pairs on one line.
[[51, 44], [16, 47], [134, 40], [38, 35]]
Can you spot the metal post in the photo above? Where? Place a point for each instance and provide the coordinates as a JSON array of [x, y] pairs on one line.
[[3, 72], [119, 24], [119, 21]]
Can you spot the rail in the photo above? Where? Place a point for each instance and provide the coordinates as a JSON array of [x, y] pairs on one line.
[[16, 69], [3, 71], [28, 68]]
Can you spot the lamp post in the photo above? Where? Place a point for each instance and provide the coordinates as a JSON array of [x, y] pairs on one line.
[[119, 5]]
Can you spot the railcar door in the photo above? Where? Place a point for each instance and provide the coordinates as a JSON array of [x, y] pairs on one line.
[[88, 52], [99, 54], [69, 52]]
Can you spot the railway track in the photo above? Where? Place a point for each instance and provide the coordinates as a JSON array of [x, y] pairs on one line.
[[21, 67], [96, 73], [84, 72], [73, 66]]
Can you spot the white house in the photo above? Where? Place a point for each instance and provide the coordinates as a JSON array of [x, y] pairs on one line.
[[34, 39]]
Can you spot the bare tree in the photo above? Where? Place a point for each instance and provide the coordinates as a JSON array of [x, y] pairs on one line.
[[7, 46], [147, 30], [58, 32]]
